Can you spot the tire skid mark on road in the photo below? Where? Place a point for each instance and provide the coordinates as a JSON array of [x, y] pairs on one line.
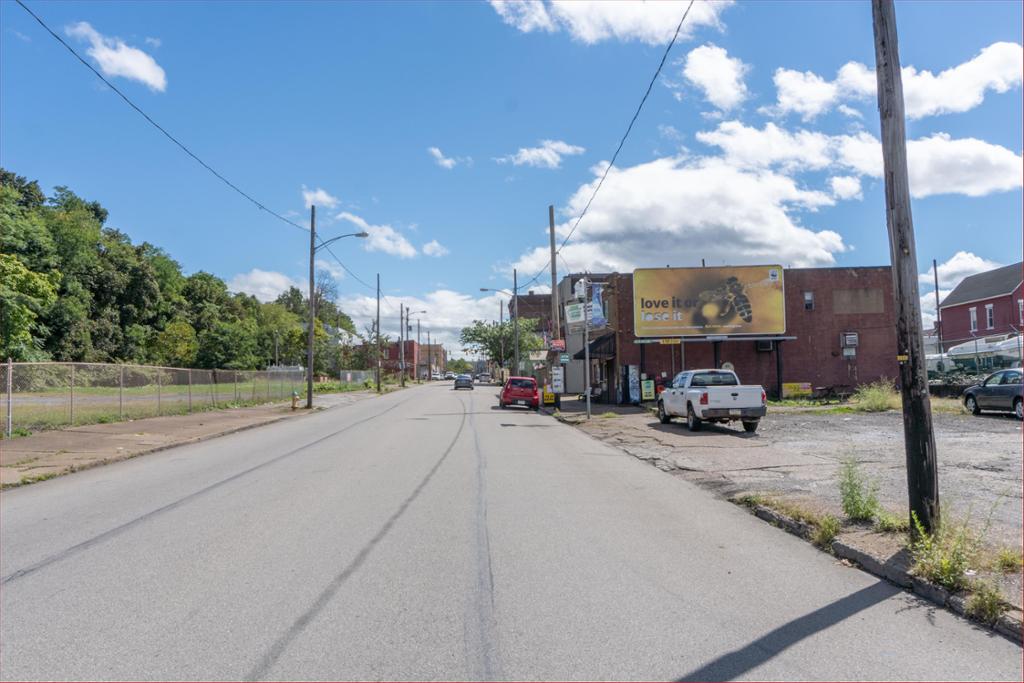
[[110, 533], [281, 644], [487, 664]]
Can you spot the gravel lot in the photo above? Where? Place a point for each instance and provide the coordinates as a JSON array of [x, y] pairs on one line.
[[797, 453]]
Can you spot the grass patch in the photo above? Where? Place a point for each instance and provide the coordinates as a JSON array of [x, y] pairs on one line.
[[945, 556], [826, 531], [888, 523], [33, 478], [608, 414], [336, 387], [876, 397], [985, 604], [1008, 560], [859, 497], [788, 508]]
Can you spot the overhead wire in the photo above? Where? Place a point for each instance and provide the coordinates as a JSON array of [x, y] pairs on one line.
[[622, 142], [184, 148]]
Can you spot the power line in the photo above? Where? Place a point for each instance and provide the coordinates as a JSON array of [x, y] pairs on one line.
[[622, 142], [180, 144]]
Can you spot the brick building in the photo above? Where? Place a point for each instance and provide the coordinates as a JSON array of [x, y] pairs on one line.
[[983, 305], [840, 332], [533, 306]]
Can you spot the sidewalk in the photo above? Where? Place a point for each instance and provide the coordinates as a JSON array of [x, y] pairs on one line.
[[28, 459]]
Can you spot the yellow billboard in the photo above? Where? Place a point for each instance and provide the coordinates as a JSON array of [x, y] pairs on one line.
[[686, 302]]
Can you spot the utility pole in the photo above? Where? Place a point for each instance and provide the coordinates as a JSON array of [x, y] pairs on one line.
[[312, 309], [401, 341], [938, 314], [919, 439], [430, 367], [418, 348], [378, 333], [586, 341], [515, 312], [556, 327], [501, 336]]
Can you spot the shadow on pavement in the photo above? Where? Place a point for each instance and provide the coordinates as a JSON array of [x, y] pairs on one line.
[[736, 663], [679, 429]]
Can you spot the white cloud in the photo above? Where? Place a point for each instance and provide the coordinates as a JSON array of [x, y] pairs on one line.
[[998, 67], [548, 155], [319, 197], [941, 165], [719, 76], [434, 248], [21, 36], [382, 237], [669, 132], [845, 187], [332, 267], [440, 159], [155, 42], [115, 58], [849, 111], [960, 265], [591, 21], [772, 145], [265, 285], [679, 209]]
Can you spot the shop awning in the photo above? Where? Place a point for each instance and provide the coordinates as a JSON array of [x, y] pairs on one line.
[[602, 348]]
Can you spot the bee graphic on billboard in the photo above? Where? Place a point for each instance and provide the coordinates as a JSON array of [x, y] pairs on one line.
[[723, 302]]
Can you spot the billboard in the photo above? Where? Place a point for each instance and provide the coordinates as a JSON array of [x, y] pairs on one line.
[[730, 300]]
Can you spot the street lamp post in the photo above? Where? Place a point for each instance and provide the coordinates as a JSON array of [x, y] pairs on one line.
[[312, 301], [515, 312]]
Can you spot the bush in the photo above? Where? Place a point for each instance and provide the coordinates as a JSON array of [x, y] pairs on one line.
[[860, 499], [1008, 560], [985, 603], [889, 523], [825, 532], [876, 397], [945, 556]]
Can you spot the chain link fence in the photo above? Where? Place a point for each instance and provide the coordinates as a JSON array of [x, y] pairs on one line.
[[48, 395]]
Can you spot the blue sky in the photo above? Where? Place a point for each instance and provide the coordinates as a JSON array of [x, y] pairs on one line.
[[758, 144]]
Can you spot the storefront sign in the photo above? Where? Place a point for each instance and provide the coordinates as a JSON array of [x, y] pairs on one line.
[[564, 359], [796, 389], [731, 300], [558, 379], [647, 389], [557, 345]]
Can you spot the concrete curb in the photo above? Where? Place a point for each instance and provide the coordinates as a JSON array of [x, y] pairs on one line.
[[1009, 624]]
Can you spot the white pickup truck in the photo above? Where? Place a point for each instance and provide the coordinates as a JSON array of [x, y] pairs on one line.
[[712, 396]]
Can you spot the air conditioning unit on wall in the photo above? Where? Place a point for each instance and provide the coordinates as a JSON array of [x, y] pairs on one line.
[[849, 340], [764, 345]]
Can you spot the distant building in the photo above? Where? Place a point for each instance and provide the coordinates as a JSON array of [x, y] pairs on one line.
[[983, 305], [533, 306]]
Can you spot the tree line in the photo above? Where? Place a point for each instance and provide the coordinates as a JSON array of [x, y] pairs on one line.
[[74, 289]]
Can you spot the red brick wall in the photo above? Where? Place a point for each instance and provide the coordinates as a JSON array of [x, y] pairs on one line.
[[956, 320], [815, 356]]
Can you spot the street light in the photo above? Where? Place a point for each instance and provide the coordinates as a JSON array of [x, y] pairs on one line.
[[312, 306], [515, 307]]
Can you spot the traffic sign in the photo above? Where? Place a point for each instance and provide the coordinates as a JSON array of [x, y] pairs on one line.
[[564, 359]]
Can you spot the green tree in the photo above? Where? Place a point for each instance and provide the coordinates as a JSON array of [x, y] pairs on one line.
[[177, 345], [23, 294], [460, 366], [496, 341]]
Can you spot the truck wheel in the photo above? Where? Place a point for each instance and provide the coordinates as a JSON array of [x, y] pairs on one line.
[[750, 426], [971, 404], [692, 421], [664, 417]]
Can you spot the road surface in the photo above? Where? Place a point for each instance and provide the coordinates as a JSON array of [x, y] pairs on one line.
[[427, 534]]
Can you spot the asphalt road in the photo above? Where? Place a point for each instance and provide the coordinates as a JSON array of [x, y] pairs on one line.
[[427, 534]]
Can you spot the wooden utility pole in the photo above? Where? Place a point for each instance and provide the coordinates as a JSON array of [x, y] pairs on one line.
[[556, 327], [378, 333], [401, 340], [312, 309], [938, 313], [922, 473]]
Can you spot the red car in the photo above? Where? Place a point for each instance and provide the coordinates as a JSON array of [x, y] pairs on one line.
[[520, 391]]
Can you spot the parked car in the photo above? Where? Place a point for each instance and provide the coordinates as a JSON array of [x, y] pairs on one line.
[[1001, 391], [463, 382], [484, 378], [712, 396], [436, 376], [449, 375], [520, 391]]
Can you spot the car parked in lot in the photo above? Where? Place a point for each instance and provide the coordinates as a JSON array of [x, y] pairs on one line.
[[712, 396], [436, 376], [463, 382], [1001, 391], [520, 391], [449, 375]]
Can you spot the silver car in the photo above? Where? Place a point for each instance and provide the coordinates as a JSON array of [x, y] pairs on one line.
[[464, 382]]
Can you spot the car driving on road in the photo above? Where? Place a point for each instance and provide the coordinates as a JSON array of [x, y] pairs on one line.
[[464, 382], [1001, 391], [712, 396], [520, 391]]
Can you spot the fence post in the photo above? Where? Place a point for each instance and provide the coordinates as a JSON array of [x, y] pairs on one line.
[[190, 390], [120, 395], [158, 391], [213, 386], [268, 385], [236, 386], [10, 397], [72, 394]]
